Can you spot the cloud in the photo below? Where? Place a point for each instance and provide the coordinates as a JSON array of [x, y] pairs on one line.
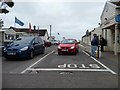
[[70, 19]]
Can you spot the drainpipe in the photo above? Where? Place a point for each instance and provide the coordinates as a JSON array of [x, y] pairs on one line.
[[116, 39], [116, 35]]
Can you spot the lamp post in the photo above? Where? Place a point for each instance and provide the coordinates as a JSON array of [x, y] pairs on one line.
[[50, 30], [1, 23], [87, 34], [34, 29]]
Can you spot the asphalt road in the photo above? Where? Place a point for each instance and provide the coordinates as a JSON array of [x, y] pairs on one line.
[[51, 70]]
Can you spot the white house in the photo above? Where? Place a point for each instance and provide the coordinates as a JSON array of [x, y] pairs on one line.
[[44, 34], [111, 28], [88, 38], [7, 35]]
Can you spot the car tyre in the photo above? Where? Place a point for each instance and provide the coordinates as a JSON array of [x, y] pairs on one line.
[[43, 51], [59, 53], [31, 55], [75, 53]]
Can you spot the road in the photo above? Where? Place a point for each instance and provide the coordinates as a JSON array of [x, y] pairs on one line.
[[51, 70]]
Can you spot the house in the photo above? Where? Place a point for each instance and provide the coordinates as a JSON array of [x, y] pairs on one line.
[[88, 37], [111, 28], [8, 35], [43, 33]]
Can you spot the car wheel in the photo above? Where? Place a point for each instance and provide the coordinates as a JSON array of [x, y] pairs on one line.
[[43, 51], [59, 53], [31, 55], [75, 53]]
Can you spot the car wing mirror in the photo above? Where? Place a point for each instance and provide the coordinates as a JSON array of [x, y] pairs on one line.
[[35, 43]]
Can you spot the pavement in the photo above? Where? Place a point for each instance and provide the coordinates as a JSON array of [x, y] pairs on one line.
[[107, 57]]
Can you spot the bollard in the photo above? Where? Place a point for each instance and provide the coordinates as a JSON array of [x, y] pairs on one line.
[[96, 54]]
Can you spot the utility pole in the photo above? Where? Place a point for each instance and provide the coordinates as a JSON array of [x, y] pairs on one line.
[[34, 29], [50, 30], [1, 23]]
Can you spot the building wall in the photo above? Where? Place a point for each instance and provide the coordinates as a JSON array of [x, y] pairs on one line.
[[108, 25], [97, 30], [1, 38], [109, 35], [44, 38], [108, 12]]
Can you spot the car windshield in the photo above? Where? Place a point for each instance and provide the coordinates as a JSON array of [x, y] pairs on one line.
[[22, 41], [68, 41]]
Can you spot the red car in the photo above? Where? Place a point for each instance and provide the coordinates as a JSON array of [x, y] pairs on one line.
[[68, 46]]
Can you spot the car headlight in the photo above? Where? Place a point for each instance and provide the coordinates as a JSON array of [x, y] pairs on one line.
[[72, 47], [4, 49], [25, 48], [59, 47]]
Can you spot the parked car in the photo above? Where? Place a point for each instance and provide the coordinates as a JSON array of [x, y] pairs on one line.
[[56, 42], [47, 43], [26, 46], [68, 46]]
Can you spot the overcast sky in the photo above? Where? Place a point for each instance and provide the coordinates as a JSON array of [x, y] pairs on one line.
[[69, 18]]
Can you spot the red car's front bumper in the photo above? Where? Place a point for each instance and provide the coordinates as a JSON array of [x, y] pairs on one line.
[[62, 51]]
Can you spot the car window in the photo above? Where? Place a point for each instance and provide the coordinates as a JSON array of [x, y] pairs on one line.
[[39, 40], [35, 40], [68, 41]]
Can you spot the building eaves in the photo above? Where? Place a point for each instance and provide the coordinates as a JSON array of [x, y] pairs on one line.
[[110, 3]]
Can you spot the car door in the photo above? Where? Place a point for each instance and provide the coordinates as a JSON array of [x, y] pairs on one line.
[[41, 44], [36, 45]]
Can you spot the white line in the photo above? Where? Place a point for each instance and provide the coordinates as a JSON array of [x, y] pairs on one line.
[[37, 62], [86, 53], [101, 64], [56, 69]]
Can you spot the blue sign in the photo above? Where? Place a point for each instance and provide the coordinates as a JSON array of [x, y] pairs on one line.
[[117, 18]]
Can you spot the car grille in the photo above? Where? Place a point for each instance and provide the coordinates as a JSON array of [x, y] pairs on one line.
[[12, 50], [65, 47]]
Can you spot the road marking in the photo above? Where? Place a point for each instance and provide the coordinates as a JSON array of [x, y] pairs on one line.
[[73, 66], [57, 69], [56, 53], [100, 63], [37, 62], [82, 46]]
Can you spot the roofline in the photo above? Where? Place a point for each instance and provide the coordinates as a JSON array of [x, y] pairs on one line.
[[110, 3]]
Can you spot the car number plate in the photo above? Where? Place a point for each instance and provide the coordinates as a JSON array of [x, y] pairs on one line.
[[11, 53], [64, 49]]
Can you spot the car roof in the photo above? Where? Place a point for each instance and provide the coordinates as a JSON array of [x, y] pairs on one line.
[[70, 39]]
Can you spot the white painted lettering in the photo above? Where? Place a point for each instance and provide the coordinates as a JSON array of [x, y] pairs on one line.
[[72, 66], [83, 66], [94, 66], [62, 66]]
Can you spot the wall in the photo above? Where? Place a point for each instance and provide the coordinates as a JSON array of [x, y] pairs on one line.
[[108, 12], [1, 38]]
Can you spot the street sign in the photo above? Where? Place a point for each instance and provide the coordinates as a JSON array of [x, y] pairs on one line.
[[117, 18]]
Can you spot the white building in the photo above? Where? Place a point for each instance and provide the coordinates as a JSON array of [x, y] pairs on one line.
[[111, 28], [88, 38], [7, 35]]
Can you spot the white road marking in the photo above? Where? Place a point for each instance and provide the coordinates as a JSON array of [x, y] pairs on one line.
[[100, 63], [37, 62], [57, 69], [56, 53], [82, 46]]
